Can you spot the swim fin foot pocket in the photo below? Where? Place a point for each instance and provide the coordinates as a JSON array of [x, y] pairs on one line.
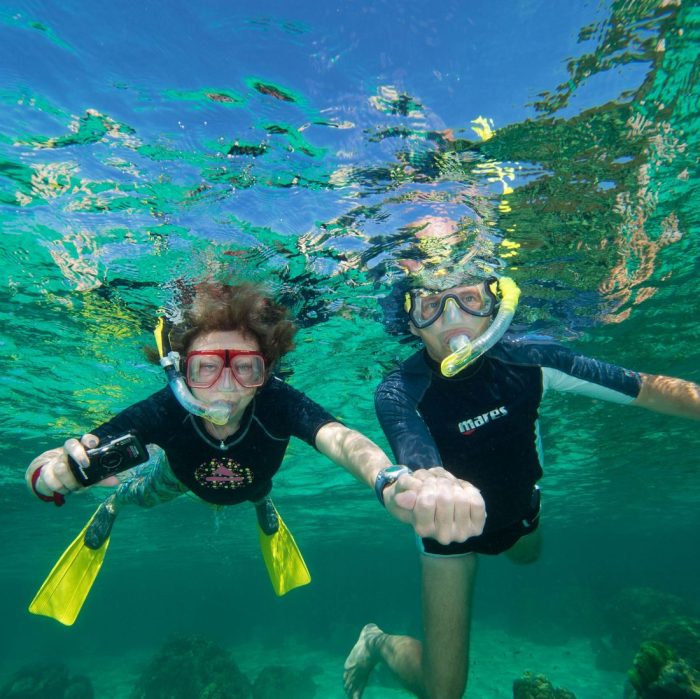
[[268, 519], [101, 524]]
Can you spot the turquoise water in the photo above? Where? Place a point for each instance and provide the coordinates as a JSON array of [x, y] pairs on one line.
[[143, 145]]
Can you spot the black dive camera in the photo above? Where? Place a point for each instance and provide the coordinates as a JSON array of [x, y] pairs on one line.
[[114, 456]]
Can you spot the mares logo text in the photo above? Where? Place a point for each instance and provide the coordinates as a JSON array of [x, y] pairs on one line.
[[466, 427]]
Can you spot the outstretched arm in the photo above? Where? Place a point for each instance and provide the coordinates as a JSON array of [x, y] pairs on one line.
[[664, 394], [565, 370], [435, 503], [351, 450]]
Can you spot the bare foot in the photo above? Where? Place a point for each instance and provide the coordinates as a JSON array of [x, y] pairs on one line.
[[362, 659]]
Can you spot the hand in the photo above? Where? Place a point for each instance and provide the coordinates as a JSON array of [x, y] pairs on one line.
[[56, 476], [437, 505]]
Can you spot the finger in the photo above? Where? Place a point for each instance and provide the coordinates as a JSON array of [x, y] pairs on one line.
[[400, 497], [463, 527], [41, 485], [424, 510], [35, 464], [52, 479], [406, 481], [445, 513], [110, 482], [477, 512], [441, 473], [89, 441], [58, 474], [77, 452], [406, 501], [421, 474], [470, 512], [54, 475]]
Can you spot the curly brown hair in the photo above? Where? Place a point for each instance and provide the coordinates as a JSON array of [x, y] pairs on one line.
[[245, 307]]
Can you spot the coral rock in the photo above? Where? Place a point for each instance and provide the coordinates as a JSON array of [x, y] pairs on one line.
[[531, 686], [192, 667], [40, 681]]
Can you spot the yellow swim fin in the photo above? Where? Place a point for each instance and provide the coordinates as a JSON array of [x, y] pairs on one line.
[[64, 591], [283, 560]]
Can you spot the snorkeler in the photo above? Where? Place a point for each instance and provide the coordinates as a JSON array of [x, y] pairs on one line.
[[469, 402], [224, 428]]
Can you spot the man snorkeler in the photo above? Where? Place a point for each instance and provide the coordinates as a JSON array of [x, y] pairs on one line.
[[469, 401]]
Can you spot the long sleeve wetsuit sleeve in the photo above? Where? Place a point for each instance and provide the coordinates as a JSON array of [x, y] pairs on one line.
[[404, 427], [153, 420], [567, 371]]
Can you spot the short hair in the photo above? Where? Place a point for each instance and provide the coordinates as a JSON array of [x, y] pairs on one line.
[[244, 307]]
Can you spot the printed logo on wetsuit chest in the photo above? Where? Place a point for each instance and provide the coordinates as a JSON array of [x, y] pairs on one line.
[[467, 427], [223, 474]]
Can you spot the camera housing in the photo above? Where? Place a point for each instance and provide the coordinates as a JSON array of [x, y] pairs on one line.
[[118, 454]]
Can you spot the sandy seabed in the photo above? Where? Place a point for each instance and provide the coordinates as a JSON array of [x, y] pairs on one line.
[[497, 660]]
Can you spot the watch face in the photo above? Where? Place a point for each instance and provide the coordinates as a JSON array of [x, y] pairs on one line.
[[390, 475], [386, 477]]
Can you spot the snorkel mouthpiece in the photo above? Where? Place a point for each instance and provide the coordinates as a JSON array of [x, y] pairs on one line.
[[464, 351], [459, 343], [217, 412]]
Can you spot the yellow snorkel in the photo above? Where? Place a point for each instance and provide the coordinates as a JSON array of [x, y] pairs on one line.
[[217, 412], [464, 351]]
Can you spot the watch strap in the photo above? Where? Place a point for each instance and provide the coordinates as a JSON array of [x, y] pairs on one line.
[[386, 477]]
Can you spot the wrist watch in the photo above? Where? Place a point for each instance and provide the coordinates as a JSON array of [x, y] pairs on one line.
[[386, 477]]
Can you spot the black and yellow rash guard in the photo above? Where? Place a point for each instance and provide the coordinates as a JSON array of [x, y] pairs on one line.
[[225, 472], [481, 425]]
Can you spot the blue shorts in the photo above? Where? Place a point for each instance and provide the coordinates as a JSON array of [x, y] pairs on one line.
[[490, 543]]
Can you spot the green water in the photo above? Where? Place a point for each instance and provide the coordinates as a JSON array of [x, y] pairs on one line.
[[108, 202]]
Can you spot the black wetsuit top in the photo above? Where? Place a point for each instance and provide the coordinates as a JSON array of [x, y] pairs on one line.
[[230, 471], [481, 425]]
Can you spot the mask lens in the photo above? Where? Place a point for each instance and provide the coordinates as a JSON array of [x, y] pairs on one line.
[[429, 307], [474, 300], [249, 369], [203, 369]]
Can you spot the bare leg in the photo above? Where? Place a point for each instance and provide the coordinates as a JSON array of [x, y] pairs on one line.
[[448, 590], [438, 667]]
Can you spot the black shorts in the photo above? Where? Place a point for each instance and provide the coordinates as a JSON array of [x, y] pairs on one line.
[[490, 543]]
